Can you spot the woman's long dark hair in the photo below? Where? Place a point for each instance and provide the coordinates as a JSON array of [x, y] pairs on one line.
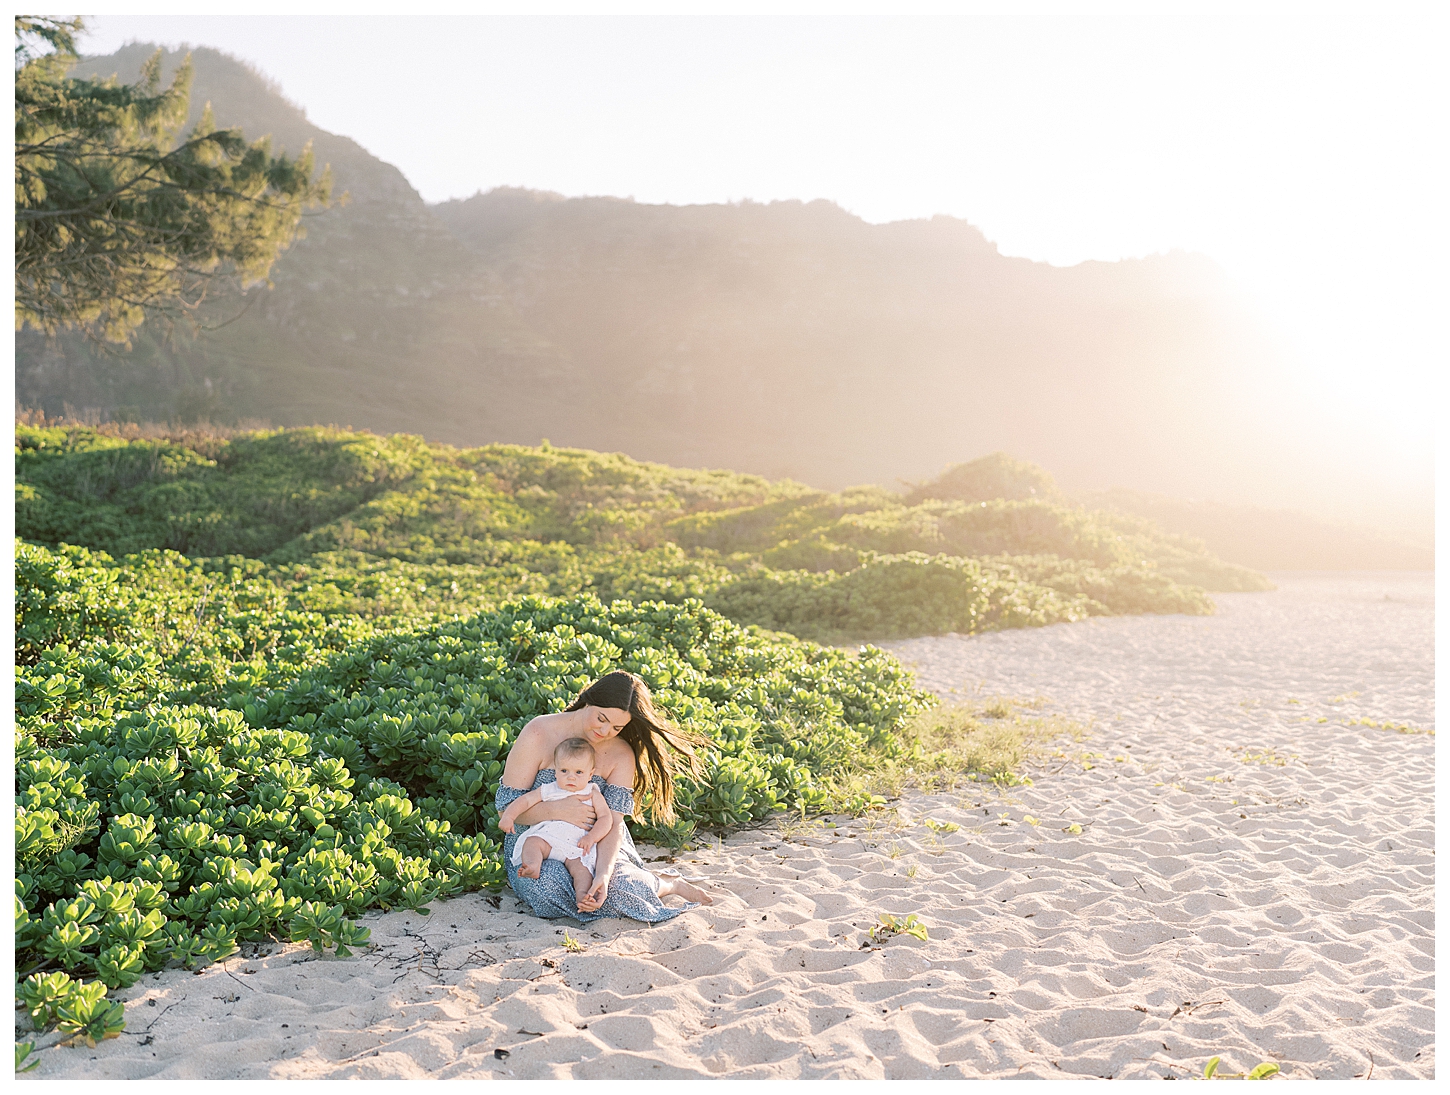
[[662, 750]]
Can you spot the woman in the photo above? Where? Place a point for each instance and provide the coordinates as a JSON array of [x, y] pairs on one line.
[[636, 753]]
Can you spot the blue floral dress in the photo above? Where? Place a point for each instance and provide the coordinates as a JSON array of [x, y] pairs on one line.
[[633, 891]]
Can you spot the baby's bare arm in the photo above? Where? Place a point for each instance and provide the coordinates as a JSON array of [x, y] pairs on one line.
[[512, 811], [602, 826]]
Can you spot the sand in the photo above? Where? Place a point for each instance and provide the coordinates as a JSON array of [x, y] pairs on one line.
[[1253, 878]]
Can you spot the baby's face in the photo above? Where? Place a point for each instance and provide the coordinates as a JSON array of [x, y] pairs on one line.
[[573, 773]]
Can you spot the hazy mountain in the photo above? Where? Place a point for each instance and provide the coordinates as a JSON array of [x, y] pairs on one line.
[[378, 317], [796, 339], [790, 339]]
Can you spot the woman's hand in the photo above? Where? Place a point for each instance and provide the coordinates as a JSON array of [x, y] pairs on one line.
[[591, 901], [576, 811], [605, 855]]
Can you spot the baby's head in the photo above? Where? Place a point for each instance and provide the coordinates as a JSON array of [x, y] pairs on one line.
[[573, 764]]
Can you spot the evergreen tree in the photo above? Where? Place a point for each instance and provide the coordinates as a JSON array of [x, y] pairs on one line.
[[117, 219]]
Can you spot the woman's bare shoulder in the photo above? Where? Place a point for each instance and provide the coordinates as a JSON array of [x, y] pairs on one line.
[[614, 760], [531, 750], [541, 726]]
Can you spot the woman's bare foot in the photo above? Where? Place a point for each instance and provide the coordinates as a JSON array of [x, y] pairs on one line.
[[684, 889]]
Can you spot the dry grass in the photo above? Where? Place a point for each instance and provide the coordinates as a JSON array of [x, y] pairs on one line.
[[965, 744], [202, 436]]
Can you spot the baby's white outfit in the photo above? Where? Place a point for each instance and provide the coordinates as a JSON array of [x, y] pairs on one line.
[[562, 838]]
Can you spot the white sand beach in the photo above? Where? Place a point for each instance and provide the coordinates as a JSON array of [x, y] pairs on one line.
[[1227, 864]]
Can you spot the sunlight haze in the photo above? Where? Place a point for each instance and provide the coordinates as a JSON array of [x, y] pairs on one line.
[[1296, 146]]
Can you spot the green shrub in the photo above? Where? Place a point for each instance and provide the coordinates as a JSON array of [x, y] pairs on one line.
[[1106, 591], [984, 528], [344, 517], [170, 625], [60, 598], [1182, 559], [814, 553], [896, 597], [762, 527], [256, 494], [169, 808], [290, 494], [988, 478]]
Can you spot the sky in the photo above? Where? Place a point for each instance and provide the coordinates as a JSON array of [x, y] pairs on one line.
[[1300, 146]]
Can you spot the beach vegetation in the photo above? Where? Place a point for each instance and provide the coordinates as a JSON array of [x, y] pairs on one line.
[[352, 523], [1261, 1071], [87, 1016], [888, 925], [987, 478], [947, 746], [1387, 724], [201, 762], [268, 680], [23, 1061], [1266, 758]]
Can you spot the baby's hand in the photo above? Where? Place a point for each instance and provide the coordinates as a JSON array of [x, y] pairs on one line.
[[587, 841], [506, 823]]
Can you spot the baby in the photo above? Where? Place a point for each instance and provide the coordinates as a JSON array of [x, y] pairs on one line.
[[574, 846]]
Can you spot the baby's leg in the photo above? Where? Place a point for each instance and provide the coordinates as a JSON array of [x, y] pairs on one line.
[[583, 880], [536, 850]]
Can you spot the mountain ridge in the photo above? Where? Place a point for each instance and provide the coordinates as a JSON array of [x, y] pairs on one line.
[[788, 339]]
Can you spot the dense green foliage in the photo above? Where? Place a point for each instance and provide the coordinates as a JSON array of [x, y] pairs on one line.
[[200, 759], [392, 525], [116, 216], [268, 681]]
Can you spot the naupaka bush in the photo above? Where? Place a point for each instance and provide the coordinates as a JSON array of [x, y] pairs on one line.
[[165, 814]]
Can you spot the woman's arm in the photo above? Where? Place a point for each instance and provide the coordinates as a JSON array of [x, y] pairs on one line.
[[617, 767], [525, 757], [603, 865]]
